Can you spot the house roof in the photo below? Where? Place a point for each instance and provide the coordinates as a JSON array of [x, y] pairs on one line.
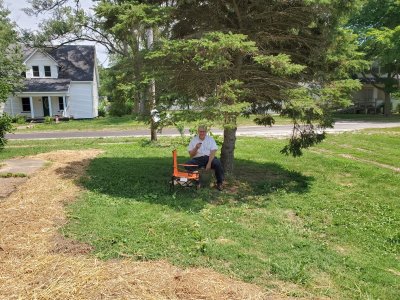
[[76, 62], [27, 52], [47, 85]]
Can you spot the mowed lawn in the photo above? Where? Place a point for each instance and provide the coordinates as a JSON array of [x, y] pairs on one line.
[[131, 122], [325, 224]]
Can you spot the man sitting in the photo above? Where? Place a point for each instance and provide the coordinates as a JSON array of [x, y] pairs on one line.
[[202, 149]]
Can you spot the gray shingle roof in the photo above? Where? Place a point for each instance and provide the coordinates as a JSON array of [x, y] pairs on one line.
[[46, 85], [27, 52], [76, 62]]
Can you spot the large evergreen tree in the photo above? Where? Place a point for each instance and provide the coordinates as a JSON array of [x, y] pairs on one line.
[[258, 56], [225, 58]]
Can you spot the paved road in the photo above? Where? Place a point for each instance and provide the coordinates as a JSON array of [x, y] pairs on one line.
[[274, 131]]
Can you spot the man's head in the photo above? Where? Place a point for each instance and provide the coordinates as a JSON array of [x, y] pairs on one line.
[[202, 131]]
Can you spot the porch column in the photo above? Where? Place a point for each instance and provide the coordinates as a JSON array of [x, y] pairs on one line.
[[12, 104], [31, 104], [375, 94], [50, 110], [65, 107]]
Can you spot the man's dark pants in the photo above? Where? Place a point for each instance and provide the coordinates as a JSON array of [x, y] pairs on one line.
[[202, 163]]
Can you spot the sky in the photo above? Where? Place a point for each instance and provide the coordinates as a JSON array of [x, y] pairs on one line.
[[26, 22]]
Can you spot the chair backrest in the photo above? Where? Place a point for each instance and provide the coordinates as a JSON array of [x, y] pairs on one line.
[[175, 160]]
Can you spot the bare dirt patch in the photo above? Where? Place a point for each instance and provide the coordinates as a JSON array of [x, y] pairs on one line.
[[37, 263], [8, 185], [13, 173]]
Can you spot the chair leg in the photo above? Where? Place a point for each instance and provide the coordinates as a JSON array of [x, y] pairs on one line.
[[172, 185]]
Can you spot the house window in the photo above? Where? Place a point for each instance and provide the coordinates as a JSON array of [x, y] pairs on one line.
[[61, 103], [23, 74], [47, 71], [35, 70], [26, 104]]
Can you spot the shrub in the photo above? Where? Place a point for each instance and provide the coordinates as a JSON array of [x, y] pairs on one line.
[[5, 126], [19, 119], [121, 108], [102, 111], [48, 120]]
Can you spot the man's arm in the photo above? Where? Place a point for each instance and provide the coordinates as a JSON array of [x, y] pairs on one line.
[[210, 159], [193, 152]]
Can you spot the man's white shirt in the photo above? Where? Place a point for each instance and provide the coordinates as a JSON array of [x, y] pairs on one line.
[[207, 145]]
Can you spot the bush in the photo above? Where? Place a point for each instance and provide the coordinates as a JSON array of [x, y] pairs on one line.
[[48, 120], [102, 111], [5, 126], [19, 119], [121, 108]]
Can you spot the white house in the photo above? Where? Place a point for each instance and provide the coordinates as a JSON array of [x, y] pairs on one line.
[[371, 97], [59, 81]]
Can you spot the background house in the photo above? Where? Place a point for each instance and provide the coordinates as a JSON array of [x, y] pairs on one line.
[[371, 99], [59, 81]]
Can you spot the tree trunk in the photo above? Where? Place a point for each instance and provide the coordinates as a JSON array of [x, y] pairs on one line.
[[152, 102], [387, 105], [152, 88], [228, 149]]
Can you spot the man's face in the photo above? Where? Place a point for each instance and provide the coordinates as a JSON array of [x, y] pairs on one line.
[[202, 133]]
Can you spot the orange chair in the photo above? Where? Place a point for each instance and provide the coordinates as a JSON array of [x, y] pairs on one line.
[[183, 178]]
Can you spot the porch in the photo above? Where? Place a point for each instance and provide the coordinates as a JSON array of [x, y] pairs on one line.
[[36, 107], [367, 106]]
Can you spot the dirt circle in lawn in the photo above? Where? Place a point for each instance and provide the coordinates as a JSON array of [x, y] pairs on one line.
[[36, 262]]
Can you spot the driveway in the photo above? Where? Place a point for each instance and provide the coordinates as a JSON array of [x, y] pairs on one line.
[[274, 131]]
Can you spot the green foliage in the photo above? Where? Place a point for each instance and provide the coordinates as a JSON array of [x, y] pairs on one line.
[[103, 106], [5, 127], [280, 64], [118, 85], [11, 65], [344, 58], [19, 119], [377, 26], [221, 59], [48, 120], [311, 109], [232, 60]]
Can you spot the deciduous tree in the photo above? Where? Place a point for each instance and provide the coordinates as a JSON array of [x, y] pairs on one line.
[[378, 25], [11, 65], [11, 68]]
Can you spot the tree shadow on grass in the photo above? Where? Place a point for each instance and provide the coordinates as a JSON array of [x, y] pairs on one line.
[[147, 180]]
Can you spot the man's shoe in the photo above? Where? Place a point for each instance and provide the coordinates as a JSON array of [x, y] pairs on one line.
[[219, 187]]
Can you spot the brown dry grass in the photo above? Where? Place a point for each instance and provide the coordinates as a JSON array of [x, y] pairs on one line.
[[37, 263]]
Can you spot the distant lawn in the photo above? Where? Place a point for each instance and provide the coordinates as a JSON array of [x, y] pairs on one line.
[[132, 122], [326, 224], [369, 117], [110, 123], [128, 122]]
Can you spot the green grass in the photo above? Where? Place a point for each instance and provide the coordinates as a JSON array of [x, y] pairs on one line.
[[367, 118], [325, 223], [8, 175], [119, 123], [111, 123], [131, 122]]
